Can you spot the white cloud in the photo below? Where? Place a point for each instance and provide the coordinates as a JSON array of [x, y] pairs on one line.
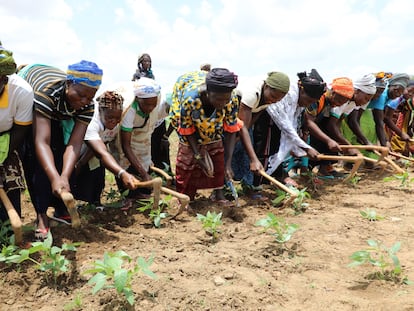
[[347, 37]]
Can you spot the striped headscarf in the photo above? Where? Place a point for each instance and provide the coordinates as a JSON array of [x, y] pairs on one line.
[[366, 84], [7, 64], [111, 100], [85, 73]]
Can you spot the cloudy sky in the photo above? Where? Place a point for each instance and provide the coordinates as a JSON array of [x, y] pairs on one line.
[[251, 38]]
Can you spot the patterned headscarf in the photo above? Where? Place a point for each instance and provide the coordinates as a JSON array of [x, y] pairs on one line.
[[312, 84], [221, 80], [146, 88], [343, 86], [7, 64], [366, 84], [111, 100], [85, 73], [278, 80]]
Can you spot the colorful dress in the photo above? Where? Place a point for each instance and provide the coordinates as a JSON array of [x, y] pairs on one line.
[[188, 117]]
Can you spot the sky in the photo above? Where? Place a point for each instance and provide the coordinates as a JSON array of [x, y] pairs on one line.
[[251, 38]]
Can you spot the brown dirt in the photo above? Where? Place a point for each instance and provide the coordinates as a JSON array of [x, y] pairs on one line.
[[245, 269]]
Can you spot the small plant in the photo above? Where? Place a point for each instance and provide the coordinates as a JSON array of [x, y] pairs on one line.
[[114, 198], [280, 197], [379, 255], [371, 215], [282, 231], [156, 215], [404, 178], [51, 260], [211, 223], [298, 203], [354, 180], [75, 304], [111, 273]]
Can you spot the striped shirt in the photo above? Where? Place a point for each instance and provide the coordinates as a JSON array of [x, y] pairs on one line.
[[49, 86]]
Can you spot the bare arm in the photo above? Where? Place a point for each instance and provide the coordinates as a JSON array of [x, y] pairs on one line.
[[315, 130], [353, 121], [42, 129], [99, 149]]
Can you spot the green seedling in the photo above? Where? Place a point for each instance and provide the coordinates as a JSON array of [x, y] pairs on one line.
[[371, 215], [112, 273], [51, 257], [156, 215], [298, 203], [114, 198], [280, 197], [354, 180], [404, 179], [75, 304], [382, 257], [211, 223], [282, 231]]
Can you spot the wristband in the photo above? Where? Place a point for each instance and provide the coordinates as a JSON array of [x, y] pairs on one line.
[[197, 156], [120, 173], [165, 137]]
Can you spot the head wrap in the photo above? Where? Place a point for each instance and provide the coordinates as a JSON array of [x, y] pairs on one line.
[[85, 73], [343, 86], [7, 64], [221, 80], [111, 100], [142, 56], [146, 88], [312, 84], [399, 79], [366, 84], [278, 80], [380, 83]]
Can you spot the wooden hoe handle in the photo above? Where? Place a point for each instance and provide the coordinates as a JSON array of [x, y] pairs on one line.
[[15, 220]]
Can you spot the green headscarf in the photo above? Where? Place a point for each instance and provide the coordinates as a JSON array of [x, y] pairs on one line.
[[7, 64], [278, 80]]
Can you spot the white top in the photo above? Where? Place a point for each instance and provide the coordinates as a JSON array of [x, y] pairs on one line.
[[251, 95], [285, 114], [19, 108], [133, 122]]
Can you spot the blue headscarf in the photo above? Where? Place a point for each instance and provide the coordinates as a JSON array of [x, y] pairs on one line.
[[85, 73]]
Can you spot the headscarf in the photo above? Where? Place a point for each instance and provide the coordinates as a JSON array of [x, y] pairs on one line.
[[278, 80], [312, 84], [146, 88], [366, 84], [7, 64], [111, 100], [399, 79], [85, 73], [380, 83], [343, 86], [221, 80]]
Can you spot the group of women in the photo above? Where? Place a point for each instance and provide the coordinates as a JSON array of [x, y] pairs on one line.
[[57, 134]]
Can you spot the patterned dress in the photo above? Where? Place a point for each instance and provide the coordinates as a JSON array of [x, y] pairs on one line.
[[189, 117]]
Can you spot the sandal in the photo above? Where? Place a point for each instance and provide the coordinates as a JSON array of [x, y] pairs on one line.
[[288, 181]]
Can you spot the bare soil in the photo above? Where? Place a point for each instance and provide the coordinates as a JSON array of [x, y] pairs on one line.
[[245, 269]]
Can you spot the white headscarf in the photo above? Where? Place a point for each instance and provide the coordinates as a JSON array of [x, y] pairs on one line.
[[366, 84], [146, 88]]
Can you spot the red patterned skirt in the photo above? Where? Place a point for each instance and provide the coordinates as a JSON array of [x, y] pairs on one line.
[[190, 176]]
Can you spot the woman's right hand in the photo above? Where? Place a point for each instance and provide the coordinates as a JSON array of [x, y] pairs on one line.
[[129, 180]]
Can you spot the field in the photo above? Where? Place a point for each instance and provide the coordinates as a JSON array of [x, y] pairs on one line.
[[245, 268]]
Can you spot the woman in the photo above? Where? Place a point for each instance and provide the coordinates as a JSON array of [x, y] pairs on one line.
[[317, 120], [58, 96], [16, 104], [143, 68], [287, 114], [89, 181], [204, 111]]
